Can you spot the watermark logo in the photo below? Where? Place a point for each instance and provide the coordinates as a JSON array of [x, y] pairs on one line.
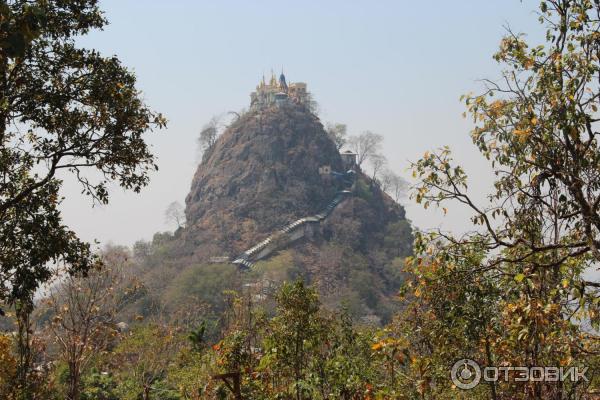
[[466, 374]]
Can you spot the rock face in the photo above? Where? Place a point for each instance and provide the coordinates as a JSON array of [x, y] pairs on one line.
[[262, 172]]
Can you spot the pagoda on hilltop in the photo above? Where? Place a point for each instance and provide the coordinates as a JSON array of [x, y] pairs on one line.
[[276, 93]]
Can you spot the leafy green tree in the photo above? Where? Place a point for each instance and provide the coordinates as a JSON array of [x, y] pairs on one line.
[[99, 386], [203, 285], [20, 27], [342, 367], [197, 337], [449, 314], [63, 109], [141, 362], [293, 333]]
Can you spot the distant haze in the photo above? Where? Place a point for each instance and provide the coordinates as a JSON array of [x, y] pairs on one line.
[[393, 67]]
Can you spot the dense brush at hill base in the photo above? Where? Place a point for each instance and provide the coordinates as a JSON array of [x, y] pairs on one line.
[[262, 173]]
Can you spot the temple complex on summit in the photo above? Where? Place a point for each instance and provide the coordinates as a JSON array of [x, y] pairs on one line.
[[278, 92]]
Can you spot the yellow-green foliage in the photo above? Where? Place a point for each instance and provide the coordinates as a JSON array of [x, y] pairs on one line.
[[279, 268], [8, 365], [202, 284]]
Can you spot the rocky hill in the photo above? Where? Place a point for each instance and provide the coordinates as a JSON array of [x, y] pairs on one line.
[[261, 173], [268, 169], [264, 172]]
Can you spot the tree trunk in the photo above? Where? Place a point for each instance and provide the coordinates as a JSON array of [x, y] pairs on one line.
[[23, 313], [146, 393], [298, 366], [488, 354], [74, 377]]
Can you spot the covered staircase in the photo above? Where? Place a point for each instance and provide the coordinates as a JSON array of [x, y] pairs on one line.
[[291, 232]]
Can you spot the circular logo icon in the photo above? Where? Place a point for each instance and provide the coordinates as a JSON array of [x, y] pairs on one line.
[[466, 374]]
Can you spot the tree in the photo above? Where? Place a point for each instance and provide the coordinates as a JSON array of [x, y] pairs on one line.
[[174, 214], [84, 308], [142, 360], [303, 352], [393, 184], [20, 28], [538, 232], [209, 133], [365, 145], [541, 133], [295, 329], [99, 386], [312, 105], [197, 337], [63, 109], [234, 116], [141, 250], [448, 316], [337, 133], [377, 162]]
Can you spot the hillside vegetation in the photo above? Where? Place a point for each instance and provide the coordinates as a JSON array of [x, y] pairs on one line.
[[260, 174]]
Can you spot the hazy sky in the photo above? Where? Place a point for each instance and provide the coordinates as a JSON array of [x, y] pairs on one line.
[[397, 68]]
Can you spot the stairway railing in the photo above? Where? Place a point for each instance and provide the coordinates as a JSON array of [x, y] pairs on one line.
[[247, 258]]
